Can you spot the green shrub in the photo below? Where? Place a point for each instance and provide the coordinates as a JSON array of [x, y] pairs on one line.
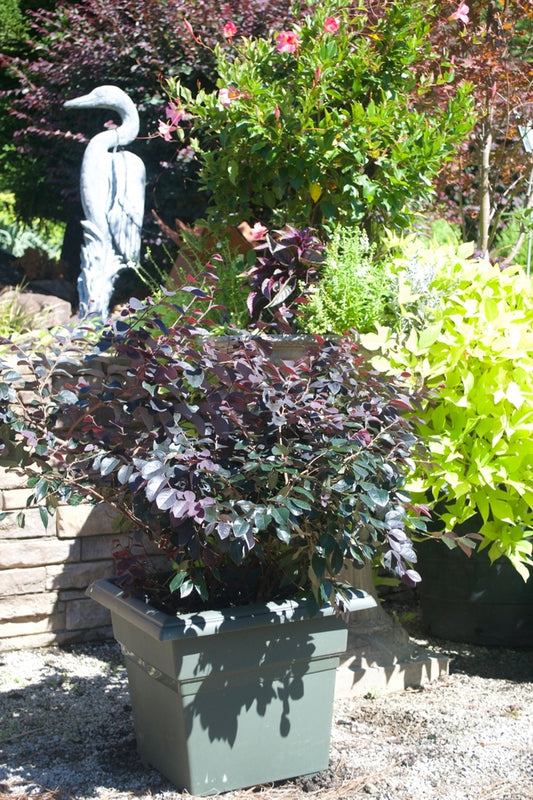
[[12, 24], [222, 277], [414, 264], [443, 232], [16, 237], [325, 123], [354, 289], [15, 320], [505, 243]]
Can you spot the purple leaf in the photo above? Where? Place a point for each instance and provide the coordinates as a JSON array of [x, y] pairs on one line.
[[154, 485], [166, 498]]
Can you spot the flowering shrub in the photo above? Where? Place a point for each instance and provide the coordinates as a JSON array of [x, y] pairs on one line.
[[322, 123], [287, 42]]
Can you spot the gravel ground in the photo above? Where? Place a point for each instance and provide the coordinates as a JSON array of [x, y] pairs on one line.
[[66, 731]]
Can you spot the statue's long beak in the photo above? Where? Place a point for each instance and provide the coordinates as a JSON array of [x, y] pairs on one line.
[[78, 102]]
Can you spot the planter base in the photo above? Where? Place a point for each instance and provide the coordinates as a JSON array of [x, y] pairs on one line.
[[380, 657]]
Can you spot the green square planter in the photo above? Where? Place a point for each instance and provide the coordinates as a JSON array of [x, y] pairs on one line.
[[228, 699], [468, 599]]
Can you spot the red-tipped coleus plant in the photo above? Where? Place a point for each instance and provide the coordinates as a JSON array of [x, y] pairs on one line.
[[287, 264], [258, 479]]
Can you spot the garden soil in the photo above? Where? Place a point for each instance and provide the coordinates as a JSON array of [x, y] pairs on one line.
[[66, 733]]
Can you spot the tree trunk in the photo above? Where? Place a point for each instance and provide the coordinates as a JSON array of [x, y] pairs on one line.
[[484, 185]]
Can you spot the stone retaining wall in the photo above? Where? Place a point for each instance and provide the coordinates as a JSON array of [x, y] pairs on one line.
[[44, 571]]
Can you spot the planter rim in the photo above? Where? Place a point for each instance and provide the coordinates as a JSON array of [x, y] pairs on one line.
[[163, 626]]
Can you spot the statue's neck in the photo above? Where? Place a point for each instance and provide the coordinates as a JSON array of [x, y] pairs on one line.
[[127, 130], [115, 137]]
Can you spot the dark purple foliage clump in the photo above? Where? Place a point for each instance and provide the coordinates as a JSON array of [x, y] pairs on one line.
[[257, 477], [288, 264]]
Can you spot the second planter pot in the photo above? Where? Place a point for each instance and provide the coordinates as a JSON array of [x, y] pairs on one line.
[[468, 599]]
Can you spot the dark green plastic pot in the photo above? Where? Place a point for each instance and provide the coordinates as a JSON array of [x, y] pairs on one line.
[[468, 599], [228, 699]]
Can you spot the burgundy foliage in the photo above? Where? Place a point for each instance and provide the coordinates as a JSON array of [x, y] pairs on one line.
[[287, 264], [493, 51], [258, 478]]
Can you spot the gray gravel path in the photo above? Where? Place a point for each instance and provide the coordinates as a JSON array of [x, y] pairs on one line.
[[66, 732]]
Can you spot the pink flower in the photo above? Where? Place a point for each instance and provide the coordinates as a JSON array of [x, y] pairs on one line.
[[258, 232], [190, 29], [287, 42], [331, 25], [175, 114], [461, 13], [229, 30], [227, 95], [166, 130]]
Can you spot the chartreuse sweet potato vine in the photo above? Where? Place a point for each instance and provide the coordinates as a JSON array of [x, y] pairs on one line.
[[474, 352]]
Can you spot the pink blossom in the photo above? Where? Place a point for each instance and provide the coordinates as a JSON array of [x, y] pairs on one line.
[[229, 30], [258, 231], [166, 130], [461, 13], [185, 155], [190, 28], [287, 42], [175, 113], [227, 95], [331, 25]]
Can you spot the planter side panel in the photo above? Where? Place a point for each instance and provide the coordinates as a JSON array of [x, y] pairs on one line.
[[317, 638], [236, 709]]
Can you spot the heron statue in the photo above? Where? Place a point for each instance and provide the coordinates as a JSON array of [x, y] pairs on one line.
[[112, 186]]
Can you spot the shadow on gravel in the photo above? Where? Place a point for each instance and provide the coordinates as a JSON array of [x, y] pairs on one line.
[[70, 735], [497, 663], [66, 728], [490, 662]]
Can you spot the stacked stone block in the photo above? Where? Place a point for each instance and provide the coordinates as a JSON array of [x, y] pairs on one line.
[[44, 572]]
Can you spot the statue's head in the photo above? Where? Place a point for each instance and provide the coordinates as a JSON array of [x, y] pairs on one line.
[[111, 97]]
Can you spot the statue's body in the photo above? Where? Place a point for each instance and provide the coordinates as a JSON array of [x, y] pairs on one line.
[[112, 188]]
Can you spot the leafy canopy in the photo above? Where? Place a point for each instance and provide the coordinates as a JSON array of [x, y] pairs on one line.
[[472, 350], [324, 123], [257, 477]]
